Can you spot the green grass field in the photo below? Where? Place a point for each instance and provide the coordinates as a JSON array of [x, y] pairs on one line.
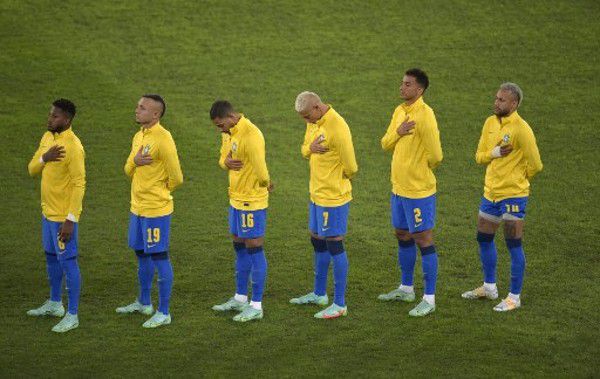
[[103, 55]]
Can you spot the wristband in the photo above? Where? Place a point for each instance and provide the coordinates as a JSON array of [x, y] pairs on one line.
[[496, 152]]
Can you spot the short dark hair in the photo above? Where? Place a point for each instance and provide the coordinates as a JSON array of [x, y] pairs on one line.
[[159, 99], [221, 109], [66, 106], [420, 76]]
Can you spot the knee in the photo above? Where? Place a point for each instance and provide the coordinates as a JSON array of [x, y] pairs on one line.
[[424, 239], [160, 256], [254, 243], [406, 243], [485, 237], [513, 230], [141, 254], [51, 257], [335, 246], [320, 245], [239, 246], [402, 235]]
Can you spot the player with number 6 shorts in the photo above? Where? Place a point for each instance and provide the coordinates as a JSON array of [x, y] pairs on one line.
[[243, 156]]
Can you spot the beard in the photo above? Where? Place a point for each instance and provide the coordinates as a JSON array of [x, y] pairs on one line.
[[57, 128], [501, 113]]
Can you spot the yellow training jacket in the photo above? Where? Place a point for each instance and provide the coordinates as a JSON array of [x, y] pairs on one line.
[[151, 185], [248, 186], [508, 176], [415, 155], [63, 182], [330, 173]]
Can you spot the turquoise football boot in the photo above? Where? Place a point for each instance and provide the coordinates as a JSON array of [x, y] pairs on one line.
[[230, 305], [398, 295], [332, 311], [158, 319], [422, 309], [310, 298], [49, 308], [248, 314], [67, 323], [136, 306]]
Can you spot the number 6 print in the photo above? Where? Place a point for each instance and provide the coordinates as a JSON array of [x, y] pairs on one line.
[[247, 220]]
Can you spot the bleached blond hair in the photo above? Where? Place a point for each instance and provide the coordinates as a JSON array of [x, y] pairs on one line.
[[306, 99], [514, 89]]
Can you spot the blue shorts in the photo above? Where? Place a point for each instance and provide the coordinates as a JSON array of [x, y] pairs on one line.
[[328, 221], [414, 215], [53, 245], [150, 234], [247, 224], [507, 209]]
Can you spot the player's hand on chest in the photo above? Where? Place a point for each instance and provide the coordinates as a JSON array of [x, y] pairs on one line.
[[235, 159], [147, 153], [321, 143], [406, 127], [238, 149], [504, 137], [54, 153]]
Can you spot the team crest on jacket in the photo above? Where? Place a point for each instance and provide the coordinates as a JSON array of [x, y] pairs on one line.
[[234, 147], [146, 150], [506, 138]]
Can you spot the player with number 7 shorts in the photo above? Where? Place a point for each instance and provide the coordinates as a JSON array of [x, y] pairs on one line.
[[330, 152]]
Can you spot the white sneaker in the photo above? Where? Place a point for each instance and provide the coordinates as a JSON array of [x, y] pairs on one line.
[[508, 304], [67, 323], [157, 320], [49, 308], [136, 306], [480, 293]]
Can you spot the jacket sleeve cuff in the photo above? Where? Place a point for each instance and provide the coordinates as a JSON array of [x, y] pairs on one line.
[[71, 217]]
